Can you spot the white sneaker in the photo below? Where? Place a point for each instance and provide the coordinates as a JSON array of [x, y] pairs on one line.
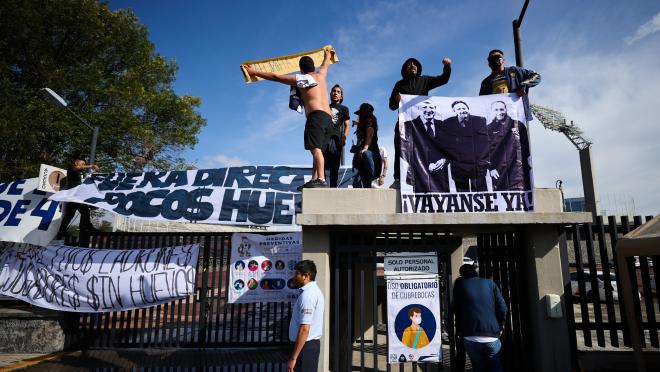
[[395, 185]]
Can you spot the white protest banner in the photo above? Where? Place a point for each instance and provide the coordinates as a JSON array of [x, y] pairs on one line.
[[26, 214], [262, 267], [50, 178], [86, 280], [410, 263], [413, 320], [465, 154], [250, 195]]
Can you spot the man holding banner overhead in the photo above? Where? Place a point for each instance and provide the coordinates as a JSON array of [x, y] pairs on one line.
[[314, 94]]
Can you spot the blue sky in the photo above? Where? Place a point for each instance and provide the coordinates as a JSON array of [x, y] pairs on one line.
[[599, 61]]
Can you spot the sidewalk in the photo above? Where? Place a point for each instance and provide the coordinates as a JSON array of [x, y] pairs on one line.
[[261, 359]]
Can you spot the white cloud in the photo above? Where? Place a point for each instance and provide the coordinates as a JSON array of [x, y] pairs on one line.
[[645, 30], [222, 160], [612, 97]]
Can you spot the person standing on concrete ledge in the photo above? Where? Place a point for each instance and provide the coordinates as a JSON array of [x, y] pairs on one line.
[[314, 94], [306, 327], [480, 314]]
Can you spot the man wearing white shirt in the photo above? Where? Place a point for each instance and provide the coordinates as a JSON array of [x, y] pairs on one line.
[[306, 327]]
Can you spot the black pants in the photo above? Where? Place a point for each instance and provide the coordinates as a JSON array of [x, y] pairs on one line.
[[308, 359], [397, 150], [70, 210], [332, 157]]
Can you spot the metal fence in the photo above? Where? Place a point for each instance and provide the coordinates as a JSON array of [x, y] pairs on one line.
[[595, 310], [204, 319]]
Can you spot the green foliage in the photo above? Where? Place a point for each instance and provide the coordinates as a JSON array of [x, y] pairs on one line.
[[103, 64]]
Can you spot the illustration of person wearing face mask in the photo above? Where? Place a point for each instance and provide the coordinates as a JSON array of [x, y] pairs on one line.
[[414, 336]]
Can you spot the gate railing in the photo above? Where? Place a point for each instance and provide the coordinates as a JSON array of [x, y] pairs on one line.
[[204, 319], [595, 308]]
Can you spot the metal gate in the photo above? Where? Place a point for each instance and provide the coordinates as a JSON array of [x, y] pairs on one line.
[[204, 319], [499, 258], [359, 311]]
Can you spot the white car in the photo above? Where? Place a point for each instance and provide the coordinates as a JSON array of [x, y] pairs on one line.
[[587, 285]]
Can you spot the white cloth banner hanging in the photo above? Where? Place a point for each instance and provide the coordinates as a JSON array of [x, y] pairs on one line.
[[249, 195], [87, 280], [262, 267], [465, 154], [26, 214], [413, 320]]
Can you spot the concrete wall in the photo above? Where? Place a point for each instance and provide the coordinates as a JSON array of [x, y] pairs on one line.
[[23, 331]]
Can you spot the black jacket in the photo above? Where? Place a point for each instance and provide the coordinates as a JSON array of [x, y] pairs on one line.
[[506, 155], [418, 85], [420, 151], [467, 146]]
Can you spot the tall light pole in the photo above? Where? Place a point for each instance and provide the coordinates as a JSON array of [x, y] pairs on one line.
[[555, 120], [517, 40], [58, 101]]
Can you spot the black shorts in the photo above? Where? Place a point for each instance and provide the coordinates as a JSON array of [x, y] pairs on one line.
[[308, 359], [315, 128]]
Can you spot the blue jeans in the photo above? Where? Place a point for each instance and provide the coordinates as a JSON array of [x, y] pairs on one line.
[[367, 167], [485, 357]]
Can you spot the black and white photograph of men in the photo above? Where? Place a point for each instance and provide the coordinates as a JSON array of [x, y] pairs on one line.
[[423, 148], [506, 170], [468, 149]]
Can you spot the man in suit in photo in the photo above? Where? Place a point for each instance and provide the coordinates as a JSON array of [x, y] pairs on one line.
[[506, 160], [467, 147], [423, 149]]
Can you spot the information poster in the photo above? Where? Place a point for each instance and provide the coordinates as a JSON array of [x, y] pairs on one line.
[[413, 320], [262, 267]]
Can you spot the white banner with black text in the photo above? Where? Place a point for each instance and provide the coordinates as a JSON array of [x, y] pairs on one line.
[[250, 195], [87, 280], [465, 154]]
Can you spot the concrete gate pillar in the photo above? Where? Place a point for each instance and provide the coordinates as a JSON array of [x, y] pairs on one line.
[[543, 275]]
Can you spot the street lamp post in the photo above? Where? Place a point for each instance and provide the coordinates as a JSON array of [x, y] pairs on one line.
[[58, 101], [517, 40]]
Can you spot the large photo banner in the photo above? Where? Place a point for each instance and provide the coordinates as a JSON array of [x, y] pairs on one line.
[[413, 320], [465, 154], [250, 195], [26, 214], [86, 280], [261, 267]]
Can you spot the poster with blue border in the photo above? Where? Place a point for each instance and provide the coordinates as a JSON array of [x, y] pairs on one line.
[[413, 320]]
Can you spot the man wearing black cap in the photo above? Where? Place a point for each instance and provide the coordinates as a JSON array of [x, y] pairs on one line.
[[504, 79], [314, 94], [414, 83]]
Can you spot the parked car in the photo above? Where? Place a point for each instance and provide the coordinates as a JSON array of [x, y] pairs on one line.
[[587, 285]]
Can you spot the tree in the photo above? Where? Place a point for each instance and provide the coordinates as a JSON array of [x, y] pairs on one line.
[[103, 64]]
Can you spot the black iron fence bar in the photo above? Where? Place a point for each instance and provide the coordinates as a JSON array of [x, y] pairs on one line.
[[614, 232], [374, 299], [568, 301], [626, 228], [362, 308], [584, 310], [595, 288], [605, 264]]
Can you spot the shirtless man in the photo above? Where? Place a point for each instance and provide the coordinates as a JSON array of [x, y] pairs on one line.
[[314, 94]]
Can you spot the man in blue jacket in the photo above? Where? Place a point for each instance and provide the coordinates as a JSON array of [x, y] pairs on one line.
[[507, 80], [480, 314]]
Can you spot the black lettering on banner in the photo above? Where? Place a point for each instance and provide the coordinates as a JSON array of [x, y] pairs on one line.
[[128, 183], [177, 178], [280, 217], [261, 214], [239, 175], [491, 202], [229, 204], [210, 177], [153, 179], [479, 205], [109, 182]]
